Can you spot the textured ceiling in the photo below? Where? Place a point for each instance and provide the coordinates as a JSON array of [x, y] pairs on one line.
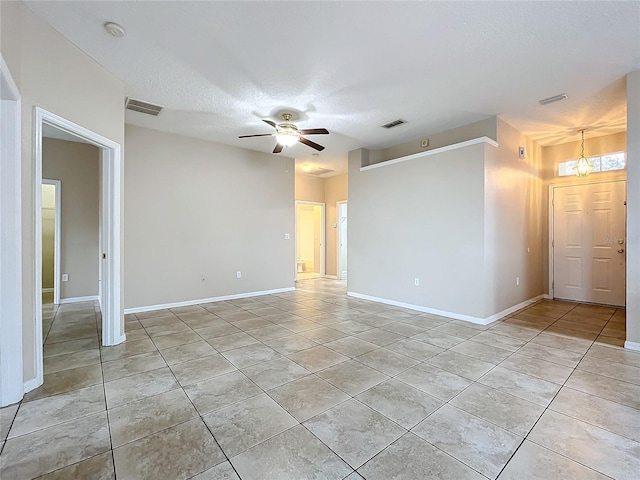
[[218, 68]]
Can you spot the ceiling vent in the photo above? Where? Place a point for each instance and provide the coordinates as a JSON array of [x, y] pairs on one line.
[[320, 171], [395, 123], [142, 107]]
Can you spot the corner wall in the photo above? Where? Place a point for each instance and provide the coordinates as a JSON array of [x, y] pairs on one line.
[[197, 212], [513, 220]]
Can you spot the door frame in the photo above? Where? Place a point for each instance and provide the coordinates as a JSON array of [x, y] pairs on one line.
[[56, 239], [11, 360], [551, 218], [339, 240], [110, 221], [323, 246]]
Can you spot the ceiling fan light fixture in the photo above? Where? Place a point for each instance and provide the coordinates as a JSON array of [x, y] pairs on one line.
[[287, 136]]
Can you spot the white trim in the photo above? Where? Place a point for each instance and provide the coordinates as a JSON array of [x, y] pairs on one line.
[[333, 277], [57, 238], [88, 298], [426, 153], [632, 345], [443, 313], [31, 385], [339, 275], [551, 220], [188, 303], [47, 290], [323, 236], [11, 314], [112, 315], [546, 296]]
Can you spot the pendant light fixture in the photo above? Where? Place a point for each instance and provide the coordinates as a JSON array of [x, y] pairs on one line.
[[584, 167]]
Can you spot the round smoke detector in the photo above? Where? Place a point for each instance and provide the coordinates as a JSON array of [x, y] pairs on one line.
[[114, 29]]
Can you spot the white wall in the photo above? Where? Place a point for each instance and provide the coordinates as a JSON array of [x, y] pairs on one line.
[[52, 73], [199, 209], [76, 165]]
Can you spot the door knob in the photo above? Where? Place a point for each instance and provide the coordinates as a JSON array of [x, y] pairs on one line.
[[620, 241], [620, 250]]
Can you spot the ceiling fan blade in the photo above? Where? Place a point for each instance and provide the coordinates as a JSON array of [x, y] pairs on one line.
[[278, 148], [259, 135], [311, 144], [314, 131], [270, 123]]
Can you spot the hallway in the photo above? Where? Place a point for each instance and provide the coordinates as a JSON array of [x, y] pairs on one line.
[[315, 384]]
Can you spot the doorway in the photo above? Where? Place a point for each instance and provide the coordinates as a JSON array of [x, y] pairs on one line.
[[588, 242], [342, 240], [110, 291], [51, 204], [310, 218]]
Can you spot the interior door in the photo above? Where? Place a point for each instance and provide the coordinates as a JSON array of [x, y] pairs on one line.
[[589, 244]]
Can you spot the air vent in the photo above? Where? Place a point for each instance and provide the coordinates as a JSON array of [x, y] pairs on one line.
[[395, 123], [142, 107], [320, 171]]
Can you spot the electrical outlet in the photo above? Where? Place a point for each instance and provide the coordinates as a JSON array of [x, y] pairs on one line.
[[518, 281], [287, 236], [65, 277], [416, 282], [425, 143], [238, 274]]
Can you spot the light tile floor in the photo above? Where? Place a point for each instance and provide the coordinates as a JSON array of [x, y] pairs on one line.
[[313, 384]]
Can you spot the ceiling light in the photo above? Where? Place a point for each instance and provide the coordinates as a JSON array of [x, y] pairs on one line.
[[287, 135], [555, 98], [114, 29], [306, 168], [584, 166]]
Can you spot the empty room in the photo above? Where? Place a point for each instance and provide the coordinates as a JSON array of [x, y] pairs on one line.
[[373, 240]]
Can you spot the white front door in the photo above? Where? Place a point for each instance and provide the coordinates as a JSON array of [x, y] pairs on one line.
[[589, 242]]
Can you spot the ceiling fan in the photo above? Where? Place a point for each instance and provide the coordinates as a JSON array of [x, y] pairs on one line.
[[287, 134]]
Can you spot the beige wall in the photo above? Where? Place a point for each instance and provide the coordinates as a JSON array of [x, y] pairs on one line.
[[197, 209], [328, 191], [465, 221], [52, 73], [48, 234], [421, 218], [483, 128], [513, 218], [76, 165], [552, 156], [309, 189], [335, 189]]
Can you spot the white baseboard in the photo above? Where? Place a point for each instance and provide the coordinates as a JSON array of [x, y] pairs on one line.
[[632, 345], [334, 277], [90, 298], [32, 384], [47, 290], [187, 303], [118, 341], [546, 296], [443, 313]]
